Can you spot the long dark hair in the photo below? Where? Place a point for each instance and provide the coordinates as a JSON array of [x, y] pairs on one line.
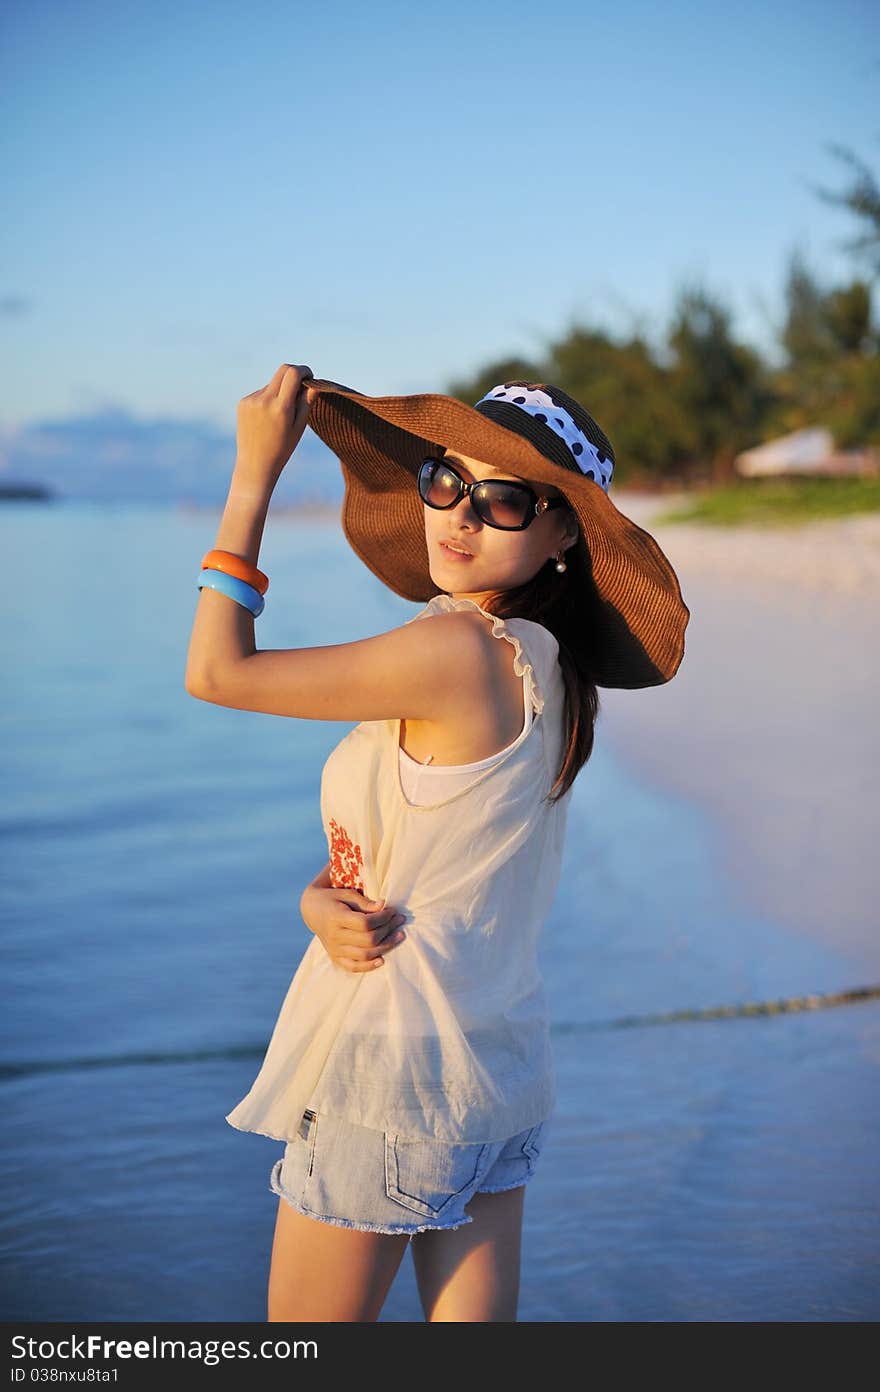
[[548, 599]]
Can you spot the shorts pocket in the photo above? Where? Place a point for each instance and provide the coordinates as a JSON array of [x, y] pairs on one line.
[[308, 1132], [531, 1146], [425, 1176], [516, 1160]]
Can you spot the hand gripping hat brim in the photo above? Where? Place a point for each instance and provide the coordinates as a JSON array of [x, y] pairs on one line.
[[636, 618]]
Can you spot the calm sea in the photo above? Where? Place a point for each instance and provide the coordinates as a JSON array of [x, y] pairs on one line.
[[155, 848]]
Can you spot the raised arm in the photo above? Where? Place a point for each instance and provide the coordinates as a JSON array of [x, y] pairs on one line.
[[422, 671]]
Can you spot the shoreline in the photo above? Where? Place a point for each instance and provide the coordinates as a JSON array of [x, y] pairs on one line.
[[770, 722]]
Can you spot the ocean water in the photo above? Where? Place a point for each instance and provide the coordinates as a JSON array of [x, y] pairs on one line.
[[155, 848]]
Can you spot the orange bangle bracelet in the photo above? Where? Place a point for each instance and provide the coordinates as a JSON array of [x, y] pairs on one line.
[[237, 566]]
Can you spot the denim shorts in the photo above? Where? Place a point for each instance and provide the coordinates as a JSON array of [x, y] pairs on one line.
[[377, 1181]]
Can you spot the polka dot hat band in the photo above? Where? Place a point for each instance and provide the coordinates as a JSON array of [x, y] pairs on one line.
[[588, 457]]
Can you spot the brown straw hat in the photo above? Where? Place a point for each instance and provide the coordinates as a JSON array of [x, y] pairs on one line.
[[634, 614]]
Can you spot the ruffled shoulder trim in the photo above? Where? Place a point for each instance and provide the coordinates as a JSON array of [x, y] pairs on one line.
[[444, 604]]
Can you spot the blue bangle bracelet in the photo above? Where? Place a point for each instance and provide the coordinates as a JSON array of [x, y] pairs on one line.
[[236, 589]]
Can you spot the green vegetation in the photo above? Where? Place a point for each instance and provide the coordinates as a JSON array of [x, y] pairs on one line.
[[679, 410], [775, 502]]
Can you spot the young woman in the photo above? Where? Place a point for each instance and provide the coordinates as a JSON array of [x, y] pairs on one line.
[[409, 1072]]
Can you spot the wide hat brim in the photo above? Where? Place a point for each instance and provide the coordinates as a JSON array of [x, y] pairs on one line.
[[635, 630]]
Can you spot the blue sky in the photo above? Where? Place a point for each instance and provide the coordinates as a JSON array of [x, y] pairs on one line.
[[199, 192]]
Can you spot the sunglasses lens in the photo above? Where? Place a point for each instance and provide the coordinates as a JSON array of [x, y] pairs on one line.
[[438, 485], [501, 505]]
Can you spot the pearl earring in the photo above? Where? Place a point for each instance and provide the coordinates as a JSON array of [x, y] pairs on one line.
[[560, 563]]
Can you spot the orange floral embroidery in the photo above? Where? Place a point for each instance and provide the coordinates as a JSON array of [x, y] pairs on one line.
[[346, 860]]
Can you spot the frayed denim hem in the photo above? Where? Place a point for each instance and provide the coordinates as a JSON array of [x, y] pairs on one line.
[[405, 1229]]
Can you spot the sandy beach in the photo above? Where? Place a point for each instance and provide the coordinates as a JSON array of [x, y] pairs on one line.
[[771, 721]]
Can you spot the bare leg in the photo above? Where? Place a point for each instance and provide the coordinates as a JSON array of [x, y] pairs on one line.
[[472, 1273], [323, 1272]]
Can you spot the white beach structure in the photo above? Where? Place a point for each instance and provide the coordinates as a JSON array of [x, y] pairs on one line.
[[808, 451], [800, 452]]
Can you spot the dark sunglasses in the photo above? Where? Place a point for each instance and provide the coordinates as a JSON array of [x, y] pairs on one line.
[[501, 503]]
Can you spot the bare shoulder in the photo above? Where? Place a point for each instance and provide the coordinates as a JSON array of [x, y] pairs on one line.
[[469, 634]]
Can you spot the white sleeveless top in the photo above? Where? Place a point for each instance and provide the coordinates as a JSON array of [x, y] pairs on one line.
[[449, 1039]]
